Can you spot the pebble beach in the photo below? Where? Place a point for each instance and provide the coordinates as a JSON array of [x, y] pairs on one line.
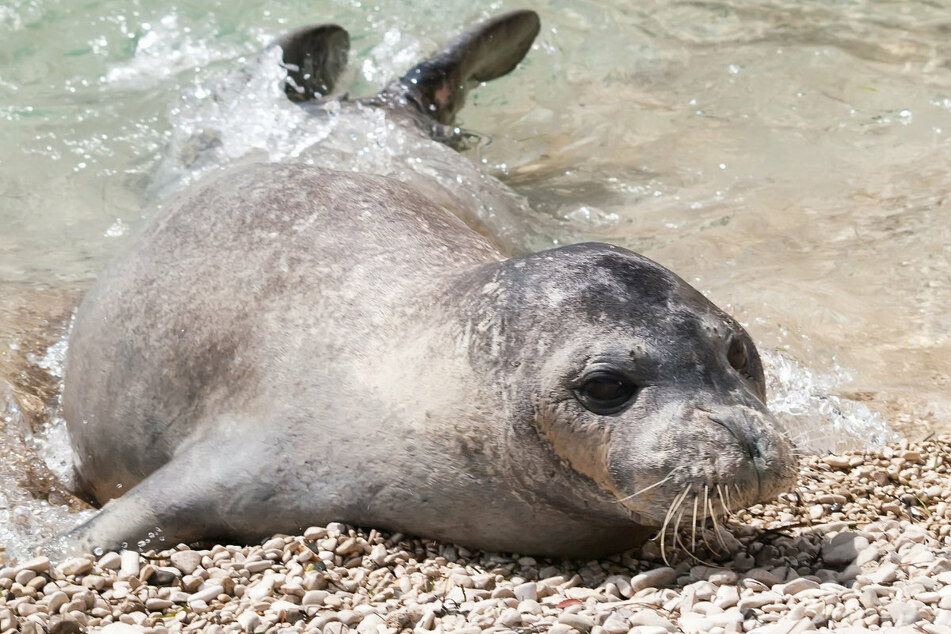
[[863, 543]]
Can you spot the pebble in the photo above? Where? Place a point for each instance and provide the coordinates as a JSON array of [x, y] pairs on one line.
[[120, 628], [75, 566], [577, 621], [903, 613], [869, 562], [186, 561], [526, 591], [129, 563], [38, 565], [843, 548], [653, 579]]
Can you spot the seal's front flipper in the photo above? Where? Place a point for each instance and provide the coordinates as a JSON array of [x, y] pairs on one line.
[[197, 496], [438, 86], [314, 57]]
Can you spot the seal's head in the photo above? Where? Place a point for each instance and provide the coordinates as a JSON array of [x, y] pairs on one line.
[[640, 383]]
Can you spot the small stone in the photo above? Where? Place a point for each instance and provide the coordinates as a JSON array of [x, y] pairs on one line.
[[763, 576], [912, 456], [869, 599], [831, 498], [314, 597], [526, 591], [928, 598], [39, 565], [275, 543], [371, 624], [614, 624], [120, 628], [510, 617], [56, 600], [314, 533], [796, 586], [903, 613], [886, 573], [726, 597], [652, 619], [348, 617], [186, 560], [110, 561], [758, 600], [723, 577], [577, 621], [836, 462], [657, 578], [843, 548], [261, 589], [164, 576], [157, 605], [129, 565], [623, 585], [867, 554], [694, 623], [250, 621], [64, 625], [24, 577], [254, 567], [529, 607], [207, 594]]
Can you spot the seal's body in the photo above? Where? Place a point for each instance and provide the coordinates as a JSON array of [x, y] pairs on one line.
[[287, 345]]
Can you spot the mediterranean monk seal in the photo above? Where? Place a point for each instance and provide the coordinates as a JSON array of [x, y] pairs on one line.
[[287, 345]]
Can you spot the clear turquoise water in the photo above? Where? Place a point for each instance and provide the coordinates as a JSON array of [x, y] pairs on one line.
[[788, 158]]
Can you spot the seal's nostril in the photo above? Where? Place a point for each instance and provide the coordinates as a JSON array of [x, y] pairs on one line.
[[752, 449]]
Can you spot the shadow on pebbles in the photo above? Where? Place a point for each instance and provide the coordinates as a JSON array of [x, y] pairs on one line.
[[862, 544]]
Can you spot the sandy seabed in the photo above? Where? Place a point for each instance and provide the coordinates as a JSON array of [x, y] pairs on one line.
[[864, 543]]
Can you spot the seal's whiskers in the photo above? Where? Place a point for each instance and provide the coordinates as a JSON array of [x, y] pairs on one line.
[[667, 517], [716, 525], [648, 488], [693, 527], [725, 503]]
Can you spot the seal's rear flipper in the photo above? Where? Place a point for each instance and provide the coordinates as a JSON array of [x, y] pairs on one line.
[[491, 49], [314, 57]]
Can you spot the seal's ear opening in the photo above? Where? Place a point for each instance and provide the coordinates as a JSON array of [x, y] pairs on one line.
[[314, 57]]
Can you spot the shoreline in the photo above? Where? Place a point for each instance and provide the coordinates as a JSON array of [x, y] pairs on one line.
[[864, 542]]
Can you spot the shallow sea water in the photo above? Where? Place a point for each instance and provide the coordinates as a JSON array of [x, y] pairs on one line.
[[790, 159]]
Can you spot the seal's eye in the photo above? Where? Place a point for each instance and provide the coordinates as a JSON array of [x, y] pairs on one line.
[[605, 393], [738, 356]]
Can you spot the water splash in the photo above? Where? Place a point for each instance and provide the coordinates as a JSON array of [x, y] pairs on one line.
[[244, 115], [163, 49], [816, 418]]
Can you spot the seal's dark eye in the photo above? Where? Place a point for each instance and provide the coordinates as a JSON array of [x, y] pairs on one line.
[[738, 356], [605, 393]]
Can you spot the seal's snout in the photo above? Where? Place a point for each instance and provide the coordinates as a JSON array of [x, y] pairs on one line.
[[770, 456], [743, 439]]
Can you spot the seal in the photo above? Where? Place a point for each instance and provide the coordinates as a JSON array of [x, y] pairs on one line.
[[287, 345]]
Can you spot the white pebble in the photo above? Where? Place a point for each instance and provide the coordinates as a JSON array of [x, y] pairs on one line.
[[249, 621], [526, 591], [693, 623], [657, 578], [128, 563], [903, 613]]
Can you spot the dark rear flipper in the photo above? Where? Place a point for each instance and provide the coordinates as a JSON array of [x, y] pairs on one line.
[[314, 57], [437, 87]]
